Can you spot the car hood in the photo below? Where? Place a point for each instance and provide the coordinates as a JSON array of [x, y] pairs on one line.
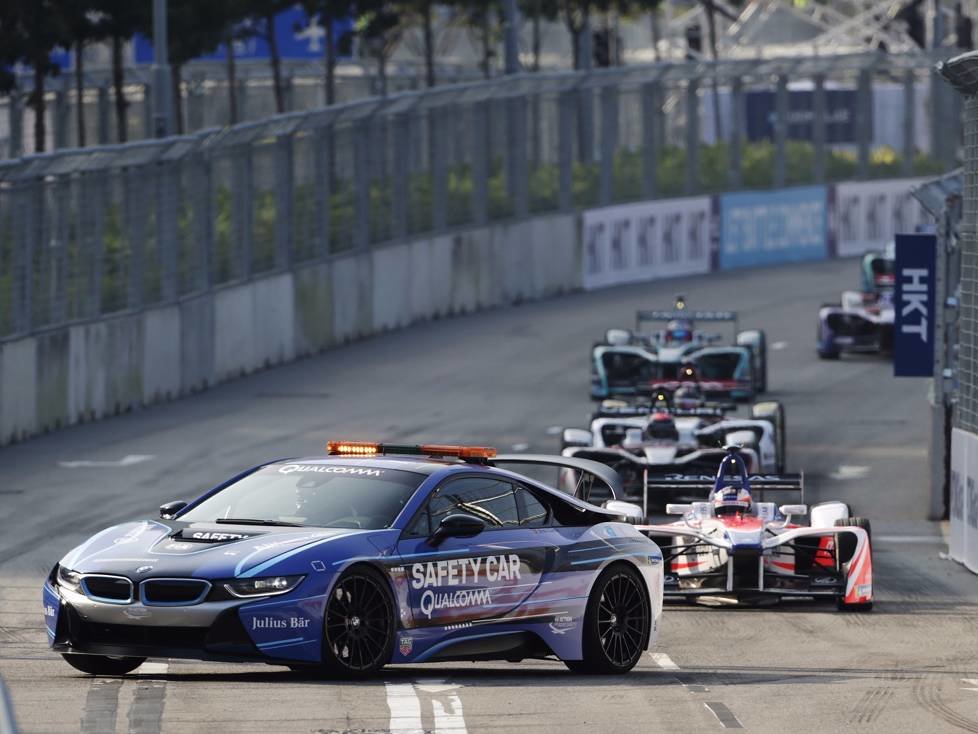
[[202, 549]]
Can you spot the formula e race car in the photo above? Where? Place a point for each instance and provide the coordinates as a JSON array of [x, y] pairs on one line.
[[862, 321], [734, 548], [673, 434], [629, 362], [374, 554]]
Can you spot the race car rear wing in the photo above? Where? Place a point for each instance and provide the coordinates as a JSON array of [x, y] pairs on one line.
[[642, 317], [759, 483]]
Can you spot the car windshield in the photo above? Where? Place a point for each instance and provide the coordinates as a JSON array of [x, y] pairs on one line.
[[324, 495]]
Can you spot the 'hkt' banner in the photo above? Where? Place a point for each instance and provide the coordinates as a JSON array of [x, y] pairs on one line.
[[868, 214], [764, 228], [963, 541], [656, 239], [913, 305]]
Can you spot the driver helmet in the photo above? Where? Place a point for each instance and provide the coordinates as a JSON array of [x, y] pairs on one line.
[[679, 330], [731, 501]]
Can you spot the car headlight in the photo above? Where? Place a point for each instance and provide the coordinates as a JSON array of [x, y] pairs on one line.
[[266, 586], [68, 578]]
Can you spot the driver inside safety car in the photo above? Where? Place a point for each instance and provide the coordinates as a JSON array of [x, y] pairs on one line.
[[731, 502]]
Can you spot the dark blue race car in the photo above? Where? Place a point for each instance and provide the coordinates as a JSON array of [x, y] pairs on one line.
[[372, 555]]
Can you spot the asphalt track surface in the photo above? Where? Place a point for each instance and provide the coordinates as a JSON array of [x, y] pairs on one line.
[[505, 378]]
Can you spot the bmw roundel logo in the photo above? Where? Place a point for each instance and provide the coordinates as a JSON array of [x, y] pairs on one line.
[[144, 569]]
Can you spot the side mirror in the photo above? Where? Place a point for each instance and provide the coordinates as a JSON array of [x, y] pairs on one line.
[[617, 337], [170, 509], [575, 437], [457, 526], [788, 510], [631, 512], [676, 509]]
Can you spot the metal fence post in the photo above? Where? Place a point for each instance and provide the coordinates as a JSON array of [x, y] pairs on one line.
[[242, 99], [195, 102], [651, 120], [97, 194], [361, 183], [203, 204], [400, 175], [609, 142], [585, 123], [692, 137], [323, 183], [738, 111], [909, 129], [102, 110], [565, 149], [864, 121], [167, 216], [439, 168], [781, 133], [480, 162], [135, 192], [818, 128], [58, 245], [520, 164], [242, 214], [15, 111], [284, 198], [26, 219]]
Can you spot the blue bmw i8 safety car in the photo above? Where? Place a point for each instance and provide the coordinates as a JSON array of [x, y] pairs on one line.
[[373, 554]]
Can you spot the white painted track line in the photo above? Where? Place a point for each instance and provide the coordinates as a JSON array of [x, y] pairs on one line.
[[405, 709], [663, 661]]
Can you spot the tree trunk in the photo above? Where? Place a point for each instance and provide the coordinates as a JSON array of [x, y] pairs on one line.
[[329, 24], [176, 70], [119, 87], [486, 62], [80, 91], [382, 72], [429, 45], [276, 63], [655, 35], [536, 34], [38, 103], [232, 78], [711, 21]]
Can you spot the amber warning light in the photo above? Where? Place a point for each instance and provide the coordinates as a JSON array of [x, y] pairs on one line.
[[366, 448]]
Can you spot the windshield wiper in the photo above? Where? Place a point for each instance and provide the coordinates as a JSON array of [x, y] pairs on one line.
[[252, 521]]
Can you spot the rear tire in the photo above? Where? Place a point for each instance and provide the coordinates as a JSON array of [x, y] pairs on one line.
[[846, 546], [359, 625], [102, 664], [616, 623]]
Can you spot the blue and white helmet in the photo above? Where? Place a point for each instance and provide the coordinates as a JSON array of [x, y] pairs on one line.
[[731, 501]]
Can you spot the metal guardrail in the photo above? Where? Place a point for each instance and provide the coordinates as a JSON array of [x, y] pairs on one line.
[[102, 230]]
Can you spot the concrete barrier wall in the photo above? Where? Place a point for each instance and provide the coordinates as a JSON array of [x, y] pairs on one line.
[[92, 370]]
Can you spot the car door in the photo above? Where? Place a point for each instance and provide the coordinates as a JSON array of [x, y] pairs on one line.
[[461, 580]]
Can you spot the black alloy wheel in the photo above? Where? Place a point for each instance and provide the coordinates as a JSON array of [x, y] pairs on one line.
[[616, 623], [359, 622]]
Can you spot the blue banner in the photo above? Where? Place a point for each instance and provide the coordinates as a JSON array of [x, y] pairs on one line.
[[298, 36], [913, 305], [765, 228]]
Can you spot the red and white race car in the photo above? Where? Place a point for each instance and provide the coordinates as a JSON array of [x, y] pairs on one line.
[[733, 548]]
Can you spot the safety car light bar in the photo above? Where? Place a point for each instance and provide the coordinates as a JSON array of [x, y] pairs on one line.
[[367, 448]]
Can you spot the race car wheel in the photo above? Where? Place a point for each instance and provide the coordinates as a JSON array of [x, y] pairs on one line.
[[616, 623], [847, 546], [359, 625], [102, 664]]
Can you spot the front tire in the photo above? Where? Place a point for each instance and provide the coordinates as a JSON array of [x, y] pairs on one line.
[[102, 664], [359, 625], [616, 623], [847, 545]]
